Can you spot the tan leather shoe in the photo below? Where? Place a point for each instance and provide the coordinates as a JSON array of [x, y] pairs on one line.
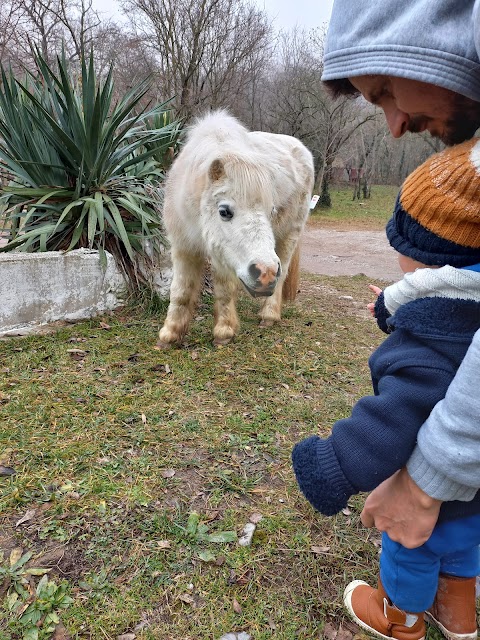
[[372, 610], [453, 611]]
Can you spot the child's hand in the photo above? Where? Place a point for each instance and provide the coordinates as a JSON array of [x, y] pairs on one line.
[[371, 305]]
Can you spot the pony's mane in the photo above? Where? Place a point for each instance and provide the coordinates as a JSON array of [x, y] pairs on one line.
[[220, 136]]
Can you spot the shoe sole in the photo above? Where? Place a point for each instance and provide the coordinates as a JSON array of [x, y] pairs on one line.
[[347, 601], [445, 632]]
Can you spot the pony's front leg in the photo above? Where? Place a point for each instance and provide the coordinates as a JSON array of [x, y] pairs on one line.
[[187, 278], [225, 313], [271, 308]]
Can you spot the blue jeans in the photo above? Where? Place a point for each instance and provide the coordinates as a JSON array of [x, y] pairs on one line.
[[410, 576]]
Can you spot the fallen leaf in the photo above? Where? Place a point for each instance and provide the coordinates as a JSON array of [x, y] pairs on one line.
[[167, 473], [6, 471], [28, 516], [329, 632], [127, 636], [344, 634], [162, 368], [37, 571], [187, 598], [15, 555], [236, 606], [61, 633], [6, 454], [255, 518], [144, 418], [104, 325], [164, 544], [346, 512], [212, 515], [77, 354], [316, 549]]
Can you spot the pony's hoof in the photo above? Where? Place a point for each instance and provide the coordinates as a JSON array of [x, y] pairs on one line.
[[267, 323], [163, 346]]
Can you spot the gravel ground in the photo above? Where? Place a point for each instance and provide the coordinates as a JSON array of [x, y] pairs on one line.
[[345, 253]]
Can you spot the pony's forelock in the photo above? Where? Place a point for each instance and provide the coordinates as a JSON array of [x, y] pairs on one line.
[[250, 182]]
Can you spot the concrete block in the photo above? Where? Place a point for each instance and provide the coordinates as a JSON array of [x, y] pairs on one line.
[[38, 288]]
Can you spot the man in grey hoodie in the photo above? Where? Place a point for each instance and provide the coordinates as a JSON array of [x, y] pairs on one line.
[[419, 61]]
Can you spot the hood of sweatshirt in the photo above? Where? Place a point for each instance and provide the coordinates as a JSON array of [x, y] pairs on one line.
[[421, 40]]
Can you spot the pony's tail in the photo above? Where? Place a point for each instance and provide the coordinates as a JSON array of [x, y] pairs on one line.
[[290, 285]]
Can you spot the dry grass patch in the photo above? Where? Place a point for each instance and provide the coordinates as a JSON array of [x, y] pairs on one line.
[[115, 445]]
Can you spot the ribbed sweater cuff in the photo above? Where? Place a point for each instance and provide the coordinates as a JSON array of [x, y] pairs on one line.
[[435, 483], [320, 476], [382, 314]]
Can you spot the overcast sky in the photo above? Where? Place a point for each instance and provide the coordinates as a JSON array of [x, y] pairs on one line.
[[286, 13]]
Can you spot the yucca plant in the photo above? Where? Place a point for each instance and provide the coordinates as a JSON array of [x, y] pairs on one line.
[[84, 170]]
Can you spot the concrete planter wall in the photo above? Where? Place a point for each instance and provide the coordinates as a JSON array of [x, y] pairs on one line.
[[38, 288]]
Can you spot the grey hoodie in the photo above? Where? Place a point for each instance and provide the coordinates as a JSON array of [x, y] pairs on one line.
[[428, 40], [446, 461], [434, 41]]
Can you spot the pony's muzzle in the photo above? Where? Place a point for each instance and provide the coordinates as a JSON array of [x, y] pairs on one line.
[[262, 279]]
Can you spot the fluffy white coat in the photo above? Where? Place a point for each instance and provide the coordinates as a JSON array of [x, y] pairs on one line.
[[239, 199]]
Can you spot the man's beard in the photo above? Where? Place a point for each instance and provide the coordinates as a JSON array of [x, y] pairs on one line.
[[458, 130], [461, 126]]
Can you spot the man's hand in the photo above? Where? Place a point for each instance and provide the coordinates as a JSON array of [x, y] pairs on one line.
[[400, 508]]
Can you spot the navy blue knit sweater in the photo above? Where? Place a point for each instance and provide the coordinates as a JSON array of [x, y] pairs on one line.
[[411, 372]]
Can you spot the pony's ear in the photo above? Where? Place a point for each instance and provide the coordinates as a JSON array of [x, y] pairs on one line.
[[216, 170]]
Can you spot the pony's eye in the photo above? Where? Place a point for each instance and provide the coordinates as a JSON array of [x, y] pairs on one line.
[[225, 212]]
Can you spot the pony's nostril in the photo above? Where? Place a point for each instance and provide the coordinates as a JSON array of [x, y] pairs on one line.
[[254, 272], [264, 276], [279, 271]]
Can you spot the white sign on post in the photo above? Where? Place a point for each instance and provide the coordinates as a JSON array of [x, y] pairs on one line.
[[313, 202]]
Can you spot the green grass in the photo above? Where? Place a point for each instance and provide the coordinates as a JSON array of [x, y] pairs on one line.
[[371, 213], [114, 448], [91, 439]]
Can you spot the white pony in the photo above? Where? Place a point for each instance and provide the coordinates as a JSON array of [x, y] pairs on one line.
[[239, 199]]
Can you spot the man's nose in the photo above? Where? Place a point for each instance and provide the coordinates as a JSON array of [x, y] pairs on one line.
[[397, 121]]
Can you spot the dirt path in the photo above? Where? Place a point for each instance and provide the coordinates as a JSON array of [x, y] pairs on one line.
[[345, 253]]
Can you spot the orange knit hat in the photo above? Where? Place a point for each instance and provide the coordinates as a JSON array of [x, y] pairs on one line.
[[437, 214]]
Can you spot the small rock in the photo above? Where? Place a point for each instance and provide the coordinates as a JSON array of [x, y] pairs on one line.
[[247, 534]]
